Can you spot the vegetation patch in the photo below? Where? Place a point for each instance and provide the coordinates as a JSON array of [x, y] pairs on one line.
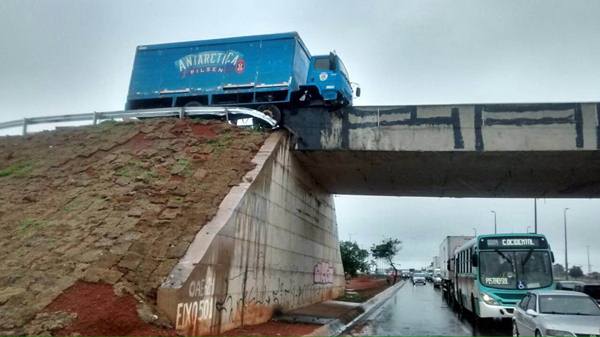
[[16, 170], [27, 224]]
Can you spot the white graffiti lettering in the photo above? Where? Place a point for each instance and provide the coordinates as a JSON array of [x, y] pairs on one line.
[[190, 313]]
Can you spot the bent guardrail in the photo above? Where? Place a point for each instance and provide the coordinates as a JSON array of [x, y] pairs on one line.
[[183, 112]]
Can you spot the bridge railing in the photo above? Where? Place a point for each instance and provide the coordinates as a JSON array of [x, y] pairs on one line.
[[183, 112]]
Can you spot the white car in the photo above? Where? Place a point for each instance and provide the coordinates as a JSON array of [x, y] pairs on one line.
[[556, 313], [418, 278]]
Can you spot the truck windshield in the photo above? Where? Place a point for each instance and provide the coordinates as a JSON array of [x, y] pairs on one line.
[[515, 269], [343, 69], [322, 63]]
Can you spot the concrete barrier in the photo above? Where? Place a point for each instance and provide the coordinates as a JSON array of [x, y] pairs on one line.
[[272, 246]]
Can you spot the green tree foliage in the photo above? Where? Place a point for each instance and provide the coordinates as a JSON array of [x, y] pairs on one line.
[[387, 250], [558, 270], [575, 272], [354, 259]]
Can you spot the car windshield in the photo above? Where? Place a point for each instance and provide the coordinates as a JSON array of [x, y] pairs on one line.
[[568, 305], [515, 269]]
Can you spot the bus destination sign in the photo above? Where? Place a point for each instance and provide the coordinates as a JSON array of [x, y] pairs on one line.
[[513, 242]]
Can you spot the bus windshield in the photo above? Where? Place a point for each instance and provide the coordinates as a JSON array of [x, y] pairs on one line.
[[515, 269]]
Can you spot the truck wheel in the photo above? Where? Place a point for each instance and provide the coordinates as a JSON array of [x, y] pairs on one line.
[[192, 104], [272, 111]]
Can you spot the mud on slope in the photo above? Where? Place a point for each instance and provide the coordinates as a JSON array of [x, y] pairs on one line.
[[117, 203]]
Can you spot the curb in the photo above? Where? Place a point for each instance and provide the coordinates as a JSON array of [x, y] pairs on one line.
[[338, 326]]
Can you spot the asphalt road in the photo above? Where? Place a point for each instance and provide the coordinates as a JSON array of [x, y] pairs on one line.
[[421, 311]]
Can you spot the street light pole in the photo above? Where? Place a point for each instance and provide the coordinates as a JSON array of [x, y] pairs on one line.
[[475, 231], [535, 229], [566, 257], [495, 223]]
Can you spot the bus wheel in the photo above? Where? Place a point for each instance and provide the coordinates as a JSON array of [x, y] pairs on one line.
[[538, 333]]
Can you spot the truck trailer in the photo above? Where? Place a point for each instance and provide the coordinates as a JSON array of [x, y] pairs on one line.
[[268, 73], [446, 258]]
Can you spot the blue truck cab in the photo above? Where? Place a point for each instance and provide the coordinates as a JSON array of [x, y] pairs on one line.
[[264, 72]]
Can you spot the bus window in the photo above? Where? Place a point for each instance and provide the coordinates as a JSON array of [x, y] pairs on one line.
[[534, 269]]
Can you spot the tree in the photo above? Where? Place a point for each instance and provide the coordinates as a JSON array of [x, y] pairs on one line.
[[576, 272], [387, 250], [594, 275], [558, 270], [354, 259]]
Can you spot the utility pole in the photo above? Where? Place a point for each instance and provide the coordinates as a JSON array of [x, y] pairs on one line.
[[566, 257], [535, 229], [495, 223], [589, 265]]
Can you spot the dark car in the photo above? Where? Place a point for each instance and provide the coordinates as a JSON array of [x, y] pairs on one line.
[[591, 289], [567, 285]]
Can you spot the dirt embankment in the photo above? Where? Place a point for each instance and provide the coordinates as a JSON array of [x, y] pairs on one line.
[[116, 204]]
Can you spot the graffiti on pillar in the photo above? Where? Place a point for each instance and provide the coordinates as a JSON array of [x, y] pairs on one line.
[[198, 307], [323, 273]]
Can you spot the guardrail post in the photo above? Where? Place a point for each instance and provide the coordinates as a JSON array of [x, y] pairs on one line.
[[95, 121], [182, 113], [227, 115], [24, 126]]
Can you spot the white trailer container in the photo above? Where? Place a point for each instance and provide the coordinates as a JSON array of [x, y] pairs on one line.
[[446, 254]]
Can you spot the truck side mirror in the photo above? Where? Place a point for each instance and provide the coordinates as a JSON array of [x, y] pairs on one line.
[[358, 92], [332, 63], [474, 260]]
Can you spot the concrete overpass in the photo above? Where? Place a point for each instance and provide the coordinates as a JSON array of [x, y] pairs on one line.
[[489, 150], [273, 244]]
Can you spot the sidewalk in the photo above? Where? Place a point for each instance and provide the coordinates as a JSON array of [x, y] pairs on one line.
[[329, 318]]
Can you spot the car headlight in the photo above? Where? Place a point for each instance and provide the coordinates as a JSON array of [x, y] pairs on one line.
[[552, 332], [488, 299]]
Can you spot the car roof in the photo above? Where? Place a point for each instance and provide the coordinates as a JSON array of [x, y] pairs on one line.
[[558, 292]]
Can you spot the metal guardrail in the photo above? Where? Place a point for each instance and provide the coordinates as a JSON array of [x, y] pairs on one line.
[[182, 112]]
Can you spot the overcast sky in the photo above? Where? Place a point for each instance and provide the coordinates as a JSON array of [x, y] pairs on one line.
[[63, 57]]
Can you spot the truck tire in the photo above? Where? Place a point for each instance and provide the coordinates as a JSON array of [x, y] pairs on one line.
[[192, 104], [272, 111]]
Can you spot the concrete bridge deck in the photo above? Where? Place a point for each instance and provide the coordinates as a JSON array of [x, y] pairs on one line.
[[499, 150]]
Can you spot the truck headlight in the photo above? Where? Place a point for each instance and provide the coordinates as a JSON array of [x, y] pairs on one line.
[[488, 299], [552, 332]]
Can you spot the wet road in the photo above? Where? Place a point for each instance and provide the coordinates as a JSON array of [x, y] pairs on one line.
[[421, 311]]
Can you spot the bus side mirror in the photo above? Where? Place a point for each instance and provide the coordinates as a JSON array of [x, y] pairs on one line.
[[358, 92], [552, 256], [448, 265], [474, 260]]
